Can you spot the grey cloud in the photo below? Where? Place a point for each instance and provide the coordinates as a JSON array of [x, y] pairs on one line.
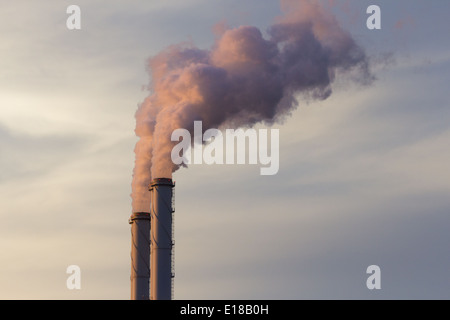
[[25, 156]]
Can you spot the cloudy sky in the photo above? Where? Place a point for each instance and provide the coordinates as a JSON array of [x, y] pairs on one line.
[[364, 175]]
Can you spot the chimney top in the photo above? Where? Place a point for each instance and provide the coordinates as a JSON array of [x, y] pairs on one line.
[[162, 181]]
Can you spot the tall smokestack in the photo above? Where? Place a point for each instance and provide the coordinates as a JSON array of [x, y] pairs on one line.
[[161, 272], [140, 255], [245, 78]]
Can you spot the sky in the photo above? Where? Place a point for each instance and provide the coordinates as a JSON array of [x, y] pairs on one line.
[[363, 177]]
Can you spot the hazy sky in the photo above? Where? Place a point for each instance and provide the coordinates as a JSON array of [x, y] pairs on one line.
[[364, 175]]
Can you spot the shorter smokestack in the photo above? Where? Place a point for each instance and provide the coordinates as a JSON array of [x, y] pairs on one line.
[[140, 255], [161, 273]]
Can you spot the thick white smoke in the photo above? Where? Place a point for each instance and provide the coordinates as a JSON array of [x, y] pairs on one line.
[[242, 80]]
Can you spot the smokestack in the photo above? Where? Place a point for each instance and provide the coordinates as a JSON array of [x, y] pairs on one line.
[[161, 272], [140, 255], [245, 78]]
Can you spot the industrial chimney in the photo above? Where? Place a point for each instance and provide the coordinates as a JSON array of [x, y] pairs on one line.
[[140, 255], [161, 272]]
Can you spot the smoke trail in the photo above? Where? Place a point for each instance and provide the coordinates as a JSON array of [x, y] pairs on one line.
[[242, 80]]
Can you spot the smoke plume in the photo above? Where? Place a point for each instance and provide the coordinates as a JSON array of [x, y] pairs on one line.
[[243, 79]]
